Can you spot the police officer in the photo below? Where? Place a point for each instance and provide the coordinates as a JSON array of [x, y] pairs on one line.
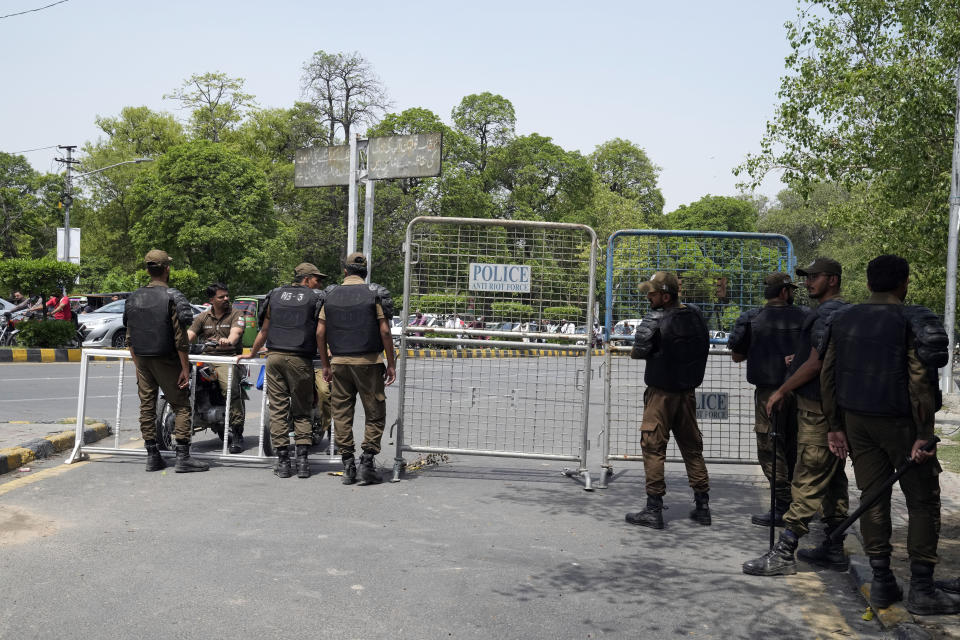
[[765, 337], [354, 324], [673, 339], [224, 325], [288, 327], [819, 480], [157, 318], [880, 394]]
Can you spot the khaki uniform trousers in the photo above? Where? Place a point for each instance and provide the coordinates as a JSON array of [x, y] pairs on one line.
[[819, 479], [665, 412], [237, 414], [878, 445], [349, 381], [786, 441], [290, 393], [161, 372], [323, 406]]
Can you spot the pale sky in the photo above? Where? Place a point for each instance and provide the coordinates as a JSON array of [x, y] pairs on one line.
[[693, 83]]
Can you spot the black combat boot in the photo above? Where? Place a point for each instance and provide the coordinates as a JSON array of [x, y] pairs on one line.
[[236, 441], [652, 514], [884, 590], [368, 469], [154, 459], [282, 470], [827, 554], [349, 469], [701, 511], [950, 586], [186, 464], [303, 463], [925, 598], [779, 561], [763, 519]]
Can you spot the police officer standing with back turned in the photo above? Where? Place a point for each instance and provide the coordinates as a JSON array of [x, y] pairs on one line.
[[880, 394], [819, 480], [673, 339], [354, 324], [157, 318], [223, 325], [765, 337], [288, 327]]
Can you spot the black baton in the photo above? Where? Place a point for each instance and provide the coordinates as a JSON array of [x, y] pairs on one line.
[[866, 503]]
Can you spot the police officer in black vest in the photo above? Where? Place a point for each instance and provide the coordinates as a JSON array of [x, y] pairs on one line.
[[880, 394], [354, 324], [288, 327], [819, 479], [673, 339], [765, 337], [157, 318]]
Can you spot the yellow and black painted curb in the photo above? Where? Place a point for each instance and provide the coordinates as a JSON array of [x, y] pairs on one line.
[[13, 458], [497, 353], [20, 354]]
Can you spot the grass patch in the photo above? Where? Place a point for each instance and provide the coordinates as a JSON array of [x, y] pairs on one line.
[[948, 451]]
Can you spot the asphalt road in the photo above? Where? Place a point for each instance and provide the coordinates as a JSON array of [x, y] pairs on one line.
[[468, 548]]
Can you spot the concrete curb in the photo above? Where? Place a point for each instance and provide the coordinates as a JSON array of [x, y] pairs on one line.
[[13, 458], [19, 354]]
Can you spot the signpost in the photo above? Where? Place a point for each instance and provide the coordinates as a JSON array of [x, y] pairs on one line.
[[412, 156]]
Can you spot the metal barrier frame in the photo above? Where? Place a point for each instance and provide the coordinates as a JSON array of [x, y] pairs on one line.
[[401, 446], [80, 452], [717, 345]]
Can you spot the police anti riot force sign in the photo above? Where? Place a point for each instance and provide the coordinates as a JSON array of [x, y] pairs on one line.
[[713, 405], [509, 278]]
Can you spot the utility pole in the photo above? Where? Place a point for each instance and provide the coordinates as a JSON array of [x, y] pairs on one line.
[[67, 198], [950, 304]]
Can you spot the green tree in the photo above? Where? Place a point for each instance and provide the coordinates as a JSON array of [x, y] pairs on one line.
[[103, 208], [714, 213], [488, 120], [209, 207], [28, 208], [536, 179], [216, 101], [41, 276], [625, 169], [868, 102]]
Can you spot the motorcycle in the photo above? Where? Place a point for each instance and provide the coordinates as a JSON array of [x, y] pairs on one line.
[[209, 403]]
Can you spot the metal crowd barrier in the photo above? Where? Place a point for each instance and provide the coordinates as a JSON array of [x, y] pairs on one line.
[[80, 451], [511, 407], [722, 273]]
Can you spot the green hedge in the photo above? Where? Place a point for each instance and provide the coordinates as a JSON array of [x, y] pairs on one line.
[[561, 313], [45, 333], [515, 311], [441, 303]]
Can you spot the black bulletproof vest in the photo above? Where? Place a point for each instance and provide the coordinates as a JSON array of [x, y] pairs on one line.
[[293, 320], [352, 325], [147, 313], [680, 362], [774, 334], [871, 366], [810, 336]]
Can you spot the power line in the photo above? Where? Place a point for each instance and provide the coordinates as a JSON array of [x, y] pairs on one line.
[[20, 13], [53, 146]]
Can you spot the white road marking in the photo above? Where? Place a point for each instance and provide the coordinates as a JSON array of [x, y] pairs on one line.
[[61, 398]]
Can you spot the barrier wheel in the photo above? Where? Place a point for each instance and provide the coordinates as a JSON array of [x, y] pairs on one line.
[[265, 438], [165, 422]]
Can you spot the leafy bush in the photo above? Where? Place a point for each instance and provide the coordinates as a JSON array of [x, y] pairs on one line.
[[515, 311], [45, 333], [440, 303], [560, 313]]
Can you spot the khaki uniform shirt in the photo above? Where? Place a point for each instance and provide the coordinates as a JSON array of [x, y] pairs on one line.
[[922, 395], [207, 326], [363, 358], [180, 339]]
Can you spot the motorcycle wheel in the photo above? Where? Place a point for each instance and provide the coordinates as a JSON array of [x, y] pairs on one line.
[[265, 438], [165, 422]]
